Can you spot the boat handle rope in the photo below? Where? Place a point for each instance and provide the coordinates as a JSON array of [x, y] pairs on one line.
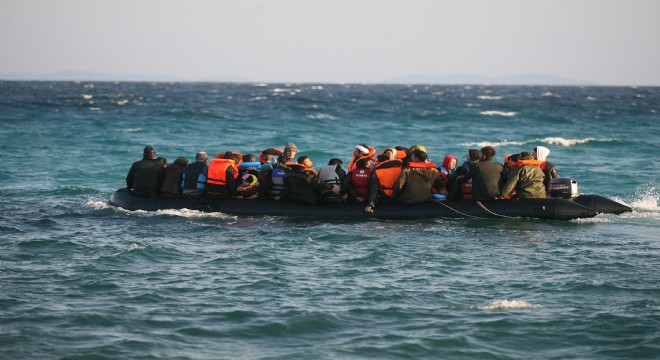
[[454, 210], [504, 216]]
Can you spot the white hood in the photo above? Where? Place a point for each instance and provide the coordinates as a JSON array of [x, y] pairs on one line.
[[542, 153]]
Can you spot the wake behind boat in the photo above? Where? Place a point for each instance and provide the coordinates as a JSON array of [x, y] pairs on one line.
[[549, 208]]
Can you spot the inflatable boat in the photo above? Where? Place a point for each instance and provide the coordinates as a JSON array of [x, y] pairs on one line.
[[583, 206]]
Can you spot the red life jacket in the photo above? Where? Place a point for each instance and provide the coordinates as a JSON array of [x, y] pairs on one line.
[[422, 165], [361, 181], [466, 189], [387, 172]]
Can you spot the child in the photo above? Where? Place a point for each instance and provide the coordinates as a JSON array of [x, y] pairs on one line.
[[248, 187]]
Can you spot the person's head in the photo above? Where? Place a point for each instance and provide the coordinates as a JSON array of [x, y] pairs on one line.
[[283, 159], [541, 153], [202, 157], [449, 162], [149, 153], [487, 153], [162, 160], [414, 148], [181, 162], [391, 152], [526, 156], [360, 150], [382, 158], [335, 161], [420, 156], [267, 154], [233, 156], [305, 161], [363, 163], [473, 155], [401, 152], [512, 160], [249, 158], [290, 150]]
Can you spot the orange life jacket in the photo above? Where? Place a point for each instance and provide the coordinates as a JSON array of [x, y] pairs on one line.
[[217, 171], [422, 165], [538, 163], [370, 156], [387, 172]]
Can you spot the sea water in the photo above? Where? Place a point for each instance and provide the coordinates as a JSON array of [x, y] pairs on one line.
[[82, 279]]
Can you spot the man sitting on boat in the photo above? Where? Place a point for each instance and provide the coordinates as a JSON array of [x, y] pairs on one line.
[[526, 178], [146, 175], [418, 179]]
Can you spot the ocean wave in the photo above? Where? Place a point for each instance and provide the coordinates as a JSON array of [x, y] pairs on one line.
[[490, 97], [506, 305], [321, 117], [133, 129], [498, 113], [548, 140], [97, 204]]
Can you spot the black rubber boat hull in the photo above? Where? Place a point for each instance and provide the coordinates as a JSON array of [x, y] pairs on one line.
[[602, 204], [555, 209]]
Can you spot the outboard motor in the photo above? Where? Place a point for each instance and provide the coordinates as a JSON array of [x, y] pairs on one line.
[[563, 188]]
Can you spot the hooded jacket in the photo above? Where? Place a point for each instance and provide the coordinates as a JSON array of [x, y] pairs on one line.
[[486, 178], [549, 169], [528, 182]]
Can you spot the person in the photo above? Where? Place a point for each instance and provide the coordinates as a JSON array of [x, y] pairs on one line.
[[486, 176], [361, 151], [417, 180], [307, 163], [162, 160], [171, 185], [271, 183], [248, 187], [358, 181], [268, 160], [303, 186], [333, 174], [387, 171], [510, 162], [145, 176], [193, 179], [448, 166], [290, 150], [550, 172], [249, 165], [222, 175], [473, 157], [526, 179]]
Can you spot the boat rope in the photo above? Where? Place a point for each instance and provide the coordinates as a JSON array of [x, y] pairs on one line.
[[500, 215], [456, 211]]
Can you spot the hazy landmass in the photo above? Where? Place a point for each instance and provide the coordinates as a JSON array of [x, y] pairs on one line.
[[525, 79]]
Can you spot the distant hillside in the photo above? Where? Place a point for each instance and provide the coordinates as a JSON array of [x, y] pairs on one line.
[[526, 79]]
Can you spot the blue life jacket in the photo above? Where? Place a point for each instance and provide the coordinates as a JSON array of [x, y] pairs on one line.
[[278, 181]]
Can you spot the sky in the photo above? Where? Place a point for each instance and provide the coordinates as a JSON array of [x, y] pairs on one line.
[[607, 42]]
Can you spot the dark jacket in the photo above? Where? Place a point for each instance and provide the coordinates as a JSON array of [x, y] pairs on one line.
[[172, 180], [528, 182], [303, 186], [415, 185], [486, 178], [145, 177], [550, 173]]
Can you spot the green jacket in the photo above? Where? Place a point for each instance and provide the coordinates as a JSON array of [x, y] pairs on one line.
[[414, 185], [527, 180]]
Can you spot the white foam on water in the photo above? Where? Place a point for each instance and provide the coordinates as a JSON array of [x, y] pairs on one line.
[[498, 113], [549, 94], [548, 140], [133, 129], [259, 98], [321, 117], [192, 214], [507, 305], [87, 96], [133, 247], [97, 204], [490, 97], [122, 102]]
